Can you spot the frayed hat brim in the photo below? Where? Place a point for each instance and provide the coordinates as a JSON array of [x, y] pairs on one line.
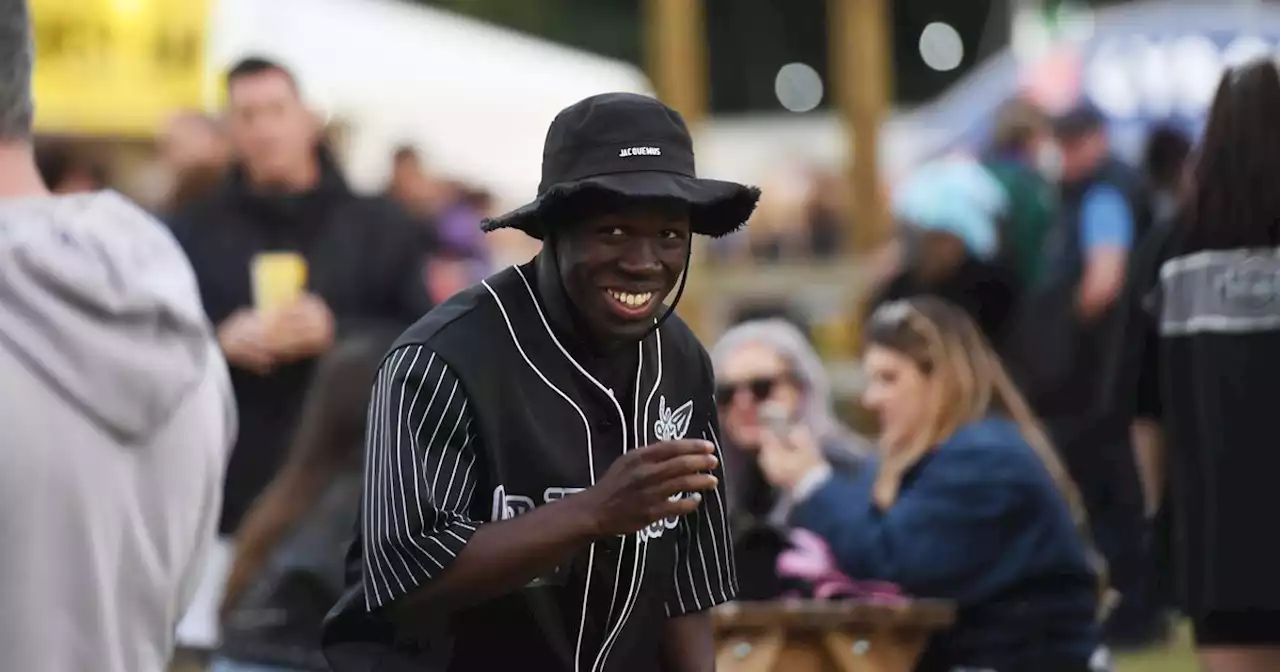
[[717, 207]]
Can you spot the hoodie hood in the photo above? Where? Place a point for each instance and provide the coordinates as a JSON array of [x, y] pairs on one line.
[[99, 301]]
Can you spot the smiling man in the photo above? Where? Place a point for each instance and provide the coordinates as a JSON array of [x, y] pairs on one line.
[[542, 480]]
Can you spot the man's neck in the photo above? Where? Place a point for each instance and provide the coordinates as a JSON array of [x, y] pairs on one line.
[[303, 177], [19, 177]]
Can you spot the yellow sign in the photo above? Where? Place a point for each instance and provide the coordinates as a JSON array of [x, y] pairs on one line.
[[117, 67]]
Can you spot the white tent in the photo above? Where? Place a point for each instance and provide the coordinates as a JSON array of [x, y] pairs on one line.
[[475, 98]]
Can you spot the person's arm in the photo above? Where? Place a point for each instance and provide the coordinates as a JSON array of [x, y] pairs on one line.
[[946, 535], [240, 332], [705, 573], [689, 643], [1106, 235], [424, 553], [1149, 445]]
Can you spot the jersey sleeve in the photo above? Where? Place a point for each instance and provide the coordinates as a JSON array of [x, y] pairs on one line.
[[420, 474], [705, 574]]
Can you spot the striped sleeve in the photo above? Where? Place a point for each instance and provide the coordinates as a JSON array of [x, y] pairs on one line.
[[419, 475], [705, 574]]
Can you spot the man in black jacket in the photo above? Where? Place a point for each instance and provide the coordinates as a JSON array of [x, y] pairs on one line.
[[542, 477], [363, 265], [1069, 335]]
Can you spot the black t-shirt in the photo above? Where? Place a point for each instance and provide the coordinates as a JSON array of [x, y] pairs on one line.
[[1213, 317], [483, 412]]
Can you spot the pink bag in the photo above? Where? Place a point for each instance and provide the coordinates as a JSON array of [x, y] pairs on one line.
[[809, 560]]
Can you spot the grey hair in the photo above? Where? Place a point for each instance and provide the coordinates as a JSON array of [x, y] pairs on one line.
[[806, 367], [17, 110]]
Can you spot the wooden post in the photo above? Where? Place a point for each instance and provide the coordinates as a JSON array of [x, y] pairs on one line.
[[676, 55], [860, 72], [677, 63], [861, 76]]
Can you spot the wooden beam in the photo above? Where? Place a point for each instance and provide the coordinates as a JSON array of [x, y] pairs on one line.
[[861, 77], [677, 63], [676, 55]]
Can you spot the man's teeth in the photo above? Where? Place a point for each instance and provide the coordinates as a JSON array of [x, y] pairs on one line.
[[632, 300]]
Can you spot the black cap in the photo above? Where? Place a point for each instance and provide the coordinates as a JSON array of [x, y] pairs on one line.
[[1080, 120], [631, 145]]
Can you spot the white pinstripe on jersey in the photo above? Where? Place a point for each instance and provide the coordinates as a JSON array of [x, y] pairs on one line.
[[705, 574], [418, 474]]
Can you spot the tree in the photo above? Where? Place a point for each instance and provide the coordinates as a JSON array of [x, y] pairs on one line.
[[606, 27], [750, 40]]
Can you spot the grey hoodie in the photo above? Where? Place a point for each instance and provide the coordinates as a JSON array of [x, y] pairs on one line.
[[116, 418]]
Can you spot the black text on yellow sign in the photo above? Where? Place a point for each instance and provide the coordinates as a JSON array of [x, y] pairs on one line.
[[117, 67]]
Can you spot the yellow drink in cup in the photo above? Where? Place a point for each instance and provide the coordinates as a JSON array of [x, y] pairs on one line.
[[278, 278]]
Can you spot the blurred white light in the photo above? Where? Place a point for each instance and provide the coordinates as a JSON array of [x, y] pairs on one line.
[[798, 87], [941, 46], [1244, 49], [1153, 80], [1198, 65], [1110, 81], [1029, 39]]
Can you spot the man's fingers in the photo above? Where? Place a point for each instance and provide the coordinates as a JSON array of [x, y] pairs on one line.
[[660, 452], [690, 483], [684, 465], [680, 507]]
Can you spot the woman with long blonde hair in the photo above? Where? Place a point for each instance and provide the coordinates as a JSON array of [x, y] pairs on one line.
[[968, 502]]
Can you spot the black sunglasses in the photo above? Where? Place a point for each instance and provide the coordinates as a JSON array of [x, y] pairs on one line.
[[760, 389]]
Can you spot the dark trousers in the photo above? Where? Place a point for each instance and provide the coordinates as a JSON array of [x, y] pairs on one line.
[[1099, 457]]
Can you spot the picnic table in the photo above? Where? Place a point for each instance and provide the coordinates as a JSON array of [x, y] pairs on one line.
[[826, 636]]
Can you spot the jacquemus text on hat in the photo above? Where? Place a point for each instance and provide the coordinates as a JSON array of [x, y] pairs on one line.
[[639, 151]]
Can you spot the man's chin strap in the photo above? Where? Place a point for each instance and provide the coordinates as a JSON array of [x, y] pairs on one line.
[[684, 278]]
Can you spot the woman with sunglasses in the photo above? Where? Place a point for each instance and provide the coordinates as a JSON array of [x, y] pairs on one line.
[[769, 363], [968, 501]]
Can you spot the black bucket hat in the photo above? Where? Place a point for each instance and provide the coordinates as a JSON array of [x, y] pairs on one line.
[[631, 145]]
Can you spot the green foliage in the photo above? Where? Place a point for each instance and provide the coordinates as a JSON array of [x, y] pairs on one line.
[[608, 27]]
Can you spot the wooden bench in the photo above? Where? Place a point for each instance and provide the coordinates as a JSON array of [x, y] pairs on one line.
[[826, 636]]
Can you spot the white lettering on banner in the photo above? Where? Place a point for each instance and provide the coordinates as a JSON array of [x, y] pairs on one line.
[[639, 151]]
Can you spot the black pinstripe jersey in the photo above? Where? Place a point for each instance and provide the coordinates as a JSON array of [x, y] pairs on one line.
[[484, 410]]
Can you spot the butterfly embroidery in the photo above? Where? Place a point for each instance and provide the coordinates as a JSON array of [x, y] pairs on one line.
[[672, 424]]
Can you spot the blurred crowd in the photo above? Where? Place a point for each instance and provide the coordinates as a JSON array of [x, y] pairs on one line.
[[1006, 299], [195, 151], [1031, 236], [1036, 227]]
